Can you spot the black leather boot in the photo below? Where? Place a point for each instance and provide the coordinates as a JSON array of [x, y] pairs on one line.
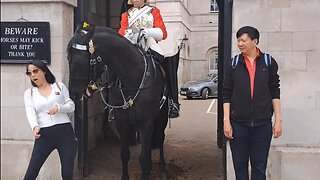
[[171, 67], [174, 109]]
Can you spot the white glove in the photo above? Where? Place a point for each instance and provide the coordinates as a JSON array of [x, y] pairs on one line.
[[131, 36], [128, 33], [156, 33], [144, 33]]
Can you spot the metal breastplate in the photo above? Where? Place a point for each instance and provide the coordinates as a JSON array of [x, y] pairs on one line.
[[145, 21]]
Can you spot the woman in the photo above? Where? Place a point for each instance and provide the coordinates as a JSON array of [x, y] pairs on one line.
[[142, 20], [47, 104]]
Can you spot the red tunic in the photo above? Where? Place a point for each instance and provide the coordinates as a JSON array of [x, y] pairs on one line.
[[157, 22]]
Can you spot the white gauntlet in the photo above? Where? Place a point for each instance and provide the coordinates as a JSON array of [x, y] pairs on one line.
[[130, 36], [156, 33], [128, 33]]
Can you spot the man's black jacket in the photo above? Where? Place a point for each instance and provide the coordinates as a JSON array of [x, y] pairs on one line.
[[236, 91]]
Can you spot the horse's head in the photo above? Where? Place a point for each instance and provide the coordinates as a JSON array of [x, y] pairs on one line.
[[91, 49], [79, 58]]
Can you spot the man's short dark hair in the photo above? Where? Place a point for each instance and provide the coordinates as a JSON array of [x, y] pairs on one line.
[[48, 74], [252, 32]]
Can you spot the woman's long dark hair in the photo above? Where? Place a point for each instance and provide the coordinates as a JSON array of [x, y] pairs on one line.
[[47, 73]]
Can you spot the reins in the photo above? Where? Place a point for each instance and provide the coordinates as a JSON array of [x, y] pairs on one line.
[[96, 86]]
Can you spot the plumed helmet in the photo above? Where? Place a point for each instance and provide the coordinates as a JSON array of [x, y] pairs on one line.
[[130, 2]]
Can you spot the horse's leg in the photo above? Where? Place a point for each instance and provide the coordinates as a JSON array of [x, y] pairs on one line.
[[160, 126], [125, 151], [125, 157], [162, 165], [145, 155]]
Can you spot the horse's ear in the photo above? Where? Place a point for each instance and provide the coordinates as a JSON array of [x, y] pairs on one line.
[[86, 27]]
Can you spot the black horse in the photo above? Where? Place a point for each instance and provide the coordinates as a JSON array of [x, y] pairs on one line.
[[140, 86]]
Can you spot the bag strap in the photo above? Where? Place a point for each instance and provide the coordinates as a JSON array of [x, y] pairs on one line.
[[58, 86], [234, 61], [267, 59]]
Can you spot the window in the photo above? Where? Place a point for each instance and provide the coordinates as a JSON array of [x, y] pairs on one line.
[[213, 61], [214, 6]]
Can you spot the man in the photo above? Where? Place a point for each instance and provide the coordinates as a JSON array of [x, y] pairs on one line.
[[251, 94]]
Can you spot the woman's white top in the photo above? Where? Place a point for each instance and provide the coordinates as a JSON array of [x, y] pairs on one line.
[[37, 106]]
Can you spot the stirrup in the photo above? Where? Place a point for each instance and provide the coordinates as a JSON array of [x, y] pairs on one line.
[[173, 113], [174, 109]]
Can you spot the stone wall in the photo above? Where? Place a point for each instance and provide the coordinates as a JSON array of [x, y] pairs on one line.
[[194, 20], [16, 134], [289, 33]]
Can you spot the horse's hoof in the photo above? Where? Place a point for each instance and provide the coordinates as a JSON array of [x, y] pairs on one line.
[[145, 177], [125, 178], [164, 176]]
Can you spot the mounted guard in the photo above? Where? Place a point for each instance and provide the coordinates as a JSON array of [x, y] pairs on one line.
[[136, 95], [142, 24]]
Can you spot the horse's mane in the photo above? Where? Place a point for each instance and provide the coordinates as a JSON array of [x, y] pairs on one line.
[[107, 30], [122, 40], [82, 36]]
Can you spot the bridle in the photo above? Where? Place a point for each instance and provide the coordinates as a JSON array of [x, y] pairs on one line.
[[98, 85]]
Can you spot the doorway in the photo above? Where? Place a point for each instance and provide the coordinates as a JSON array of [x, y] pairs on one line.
[[90, 116], [108, 13]]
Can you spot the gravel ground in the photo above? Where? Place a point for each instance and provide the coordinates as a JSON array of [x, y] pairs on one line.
[[191, 152]]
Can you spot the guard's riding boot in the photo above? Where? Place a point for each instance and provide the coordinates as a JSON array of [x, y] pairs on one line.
[[174, 109], [171, 67]]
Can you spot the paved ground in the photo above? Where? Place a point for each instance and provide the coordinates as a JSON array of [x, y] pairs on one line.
[[190, 148]]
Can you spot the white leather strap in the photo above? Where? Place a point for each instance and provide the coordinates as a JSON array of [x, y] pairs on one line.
[[80, 47], [137, 16]]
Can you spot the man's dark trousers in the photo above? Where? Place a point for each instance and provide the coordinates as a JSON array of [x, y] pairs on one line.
[[250, 142]]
